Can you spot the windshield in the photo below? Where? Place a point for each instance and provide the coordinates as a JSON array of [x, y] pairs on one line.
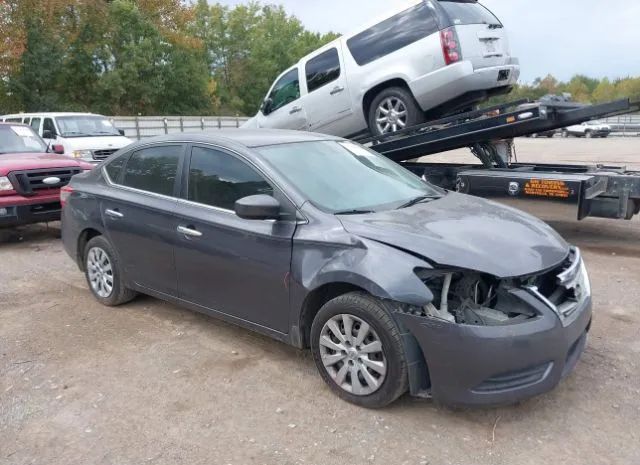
[[342, 177], [20, 139], [469, 13], [79, 126]]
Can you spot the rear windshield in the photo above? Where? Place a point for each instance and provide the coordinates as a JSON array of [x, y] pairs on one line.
[[469, 13]]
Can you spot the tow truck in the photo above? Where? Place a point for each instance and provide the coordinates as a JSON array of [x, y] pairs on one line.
[[553, 191]]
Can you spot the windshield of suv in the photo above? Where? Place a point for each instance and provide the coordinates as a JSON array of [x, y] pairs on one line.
[[20, 139], [469, 13], [347, 178], [86, 125]]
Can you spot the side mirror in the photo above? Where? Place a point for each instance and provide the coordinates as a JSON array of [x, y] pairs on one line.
[[266, 106], [258, 207], [48, 134], [57, 148], [121, 131]]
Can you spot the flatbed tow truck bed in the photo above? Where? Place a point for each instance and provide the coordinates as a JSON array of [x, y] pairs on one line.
[[560, 191]]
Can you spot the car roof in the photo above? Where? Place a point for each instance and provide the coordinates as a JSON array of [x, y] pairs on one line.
[[45, 114], [247, 137]]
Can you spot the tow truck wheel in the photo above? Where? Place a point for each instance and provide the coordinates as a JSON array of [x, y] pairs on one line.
[[565, 133], [588, 135], [357, 347], [392, 110]]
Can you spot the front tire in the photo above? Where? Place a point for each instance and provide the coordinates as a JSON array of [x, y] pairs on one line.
[[393, 109], [357, 347], [104, 273], [588, 135]]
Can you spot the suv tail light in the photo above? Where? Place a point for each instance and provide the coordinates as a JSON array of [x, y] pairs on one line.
[[450, 45], [65, 193]]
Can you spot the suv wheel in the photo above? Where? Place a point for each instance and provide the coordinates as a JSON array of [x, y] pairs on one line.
[[392, 110], [588, 135], [104, 275], [358, 350]]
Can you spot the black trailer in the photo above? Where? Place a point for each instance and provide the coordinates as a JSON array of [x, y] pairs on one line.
[[552, 190]]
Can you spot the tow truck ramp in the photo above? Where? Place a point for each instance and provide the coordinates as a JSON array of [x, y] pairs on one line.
[[555, 190]]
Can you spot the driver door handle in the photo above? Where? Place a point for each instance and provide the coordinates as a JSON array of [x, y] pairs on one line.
[[113, 214], [189, 232], [337, 90], [295, 110]]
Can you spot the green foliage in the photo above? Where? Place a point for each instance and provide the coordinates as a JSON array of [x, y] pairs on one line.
[[582, 89]]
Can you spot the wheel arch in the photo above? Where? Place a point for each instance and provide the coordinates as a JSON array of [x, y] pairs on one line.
[[83, 239], [372, 93]]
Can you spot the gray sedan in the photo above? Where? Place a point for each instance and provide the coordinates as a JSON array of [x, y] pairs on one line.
[[395, 285]]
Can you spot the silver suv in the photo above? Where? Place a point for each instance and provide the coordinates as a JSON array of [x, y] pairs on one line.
[[428, 60]]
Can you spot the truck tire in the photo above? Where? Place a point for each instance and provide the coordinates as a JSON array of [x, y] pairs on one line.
[[392, 110], [588, 135], [104, 273], [358, 350]]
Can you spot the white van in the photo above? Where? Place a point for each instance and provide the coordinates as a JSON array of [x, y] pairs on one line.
[[426, 59], [84, 136]]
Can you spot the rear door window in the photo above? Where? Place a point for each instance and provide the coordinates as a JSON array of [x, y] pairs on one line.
[[391, 35], [218, 179], [469, 13], [323, 69], [153, 169], [35, 124]]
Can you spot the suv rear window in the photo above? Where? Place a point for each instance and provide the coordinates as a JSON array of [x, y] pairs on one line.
[[393, 34], [468, 13]]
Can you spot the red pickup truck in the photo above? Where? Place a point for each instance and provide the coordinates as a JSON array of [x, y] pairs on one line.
[[31, 175]]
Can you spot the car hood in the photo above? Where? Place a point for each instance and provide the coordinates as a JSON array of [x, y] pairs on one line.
[[32, 161], [251, 123], [95, 143], [466, 232]]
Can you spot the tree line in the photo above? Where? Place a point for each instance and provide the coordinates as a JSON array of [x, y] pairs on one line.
[[171, 57], [147, 57], [582, 89]]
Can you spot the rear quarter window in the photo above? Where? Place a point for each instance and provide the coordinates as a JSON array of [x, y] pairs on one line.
[[323, 69], [391, 35], [468, 13]]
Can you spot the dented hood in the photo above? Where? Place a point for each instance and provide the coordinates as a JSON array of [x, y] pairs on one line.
[[466, 232]]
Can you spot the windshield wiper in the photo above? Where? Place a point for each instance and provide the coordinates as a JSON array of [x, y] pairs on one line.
[[496, 26], [417, 200], [354, 212], [73, 133]]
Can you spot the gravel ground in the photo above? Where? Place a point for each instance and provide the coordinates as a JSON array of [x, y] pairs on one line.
[[153, 383]]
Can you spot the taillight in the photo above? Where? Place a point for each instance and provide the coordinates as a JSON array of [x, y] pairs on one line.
[[65, 193], [450, 46]]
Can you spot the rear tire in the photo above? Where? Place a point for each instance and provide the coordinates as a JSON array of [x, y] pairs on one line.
[[104, 273], [392, 110], [343, 336], [588, 135]]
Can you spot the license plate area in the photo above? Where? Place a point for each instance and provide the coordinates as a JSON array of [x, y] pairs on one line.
[[503, 74]]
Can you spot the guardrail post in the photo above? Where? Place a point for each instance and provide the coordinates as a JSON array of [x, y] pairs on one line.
[[181, 124], [166, 125], [237, 121], [137, 128], [202, 123], [219, 123]]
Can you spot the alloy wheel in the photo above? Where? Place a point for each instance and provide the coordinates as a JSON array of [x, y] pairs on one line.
[[352, 354], [391, 115], [100, 272]]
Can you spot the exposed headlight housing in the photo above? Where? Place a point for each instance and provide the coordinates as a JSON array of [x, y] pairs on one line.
[[82, 154], [5, 184]]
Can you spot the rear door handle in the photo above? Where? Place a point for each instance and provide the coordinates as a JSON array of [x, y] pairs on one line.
[[189, 232], [113, 213], [337, 90], [295, 110]]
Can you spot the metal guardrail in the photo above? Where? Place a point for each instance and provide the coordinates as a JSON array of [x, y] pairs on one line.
[[624, 125], [140, 127]]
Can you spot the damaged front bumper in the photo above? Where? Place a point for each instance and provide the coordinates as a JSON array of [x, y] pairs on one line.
[[470, 364], [493, 365]]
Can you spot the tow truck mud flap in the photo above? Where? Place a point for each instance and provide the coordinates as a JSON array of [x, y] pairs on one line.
[[550, 196]]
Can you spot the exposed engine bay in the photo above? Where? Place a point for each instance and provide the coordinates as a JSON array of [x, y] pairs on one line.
[[474, 299]]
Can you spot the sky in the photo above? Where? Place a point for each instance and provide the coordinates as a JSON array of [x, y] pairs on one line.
[[599, 38]]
